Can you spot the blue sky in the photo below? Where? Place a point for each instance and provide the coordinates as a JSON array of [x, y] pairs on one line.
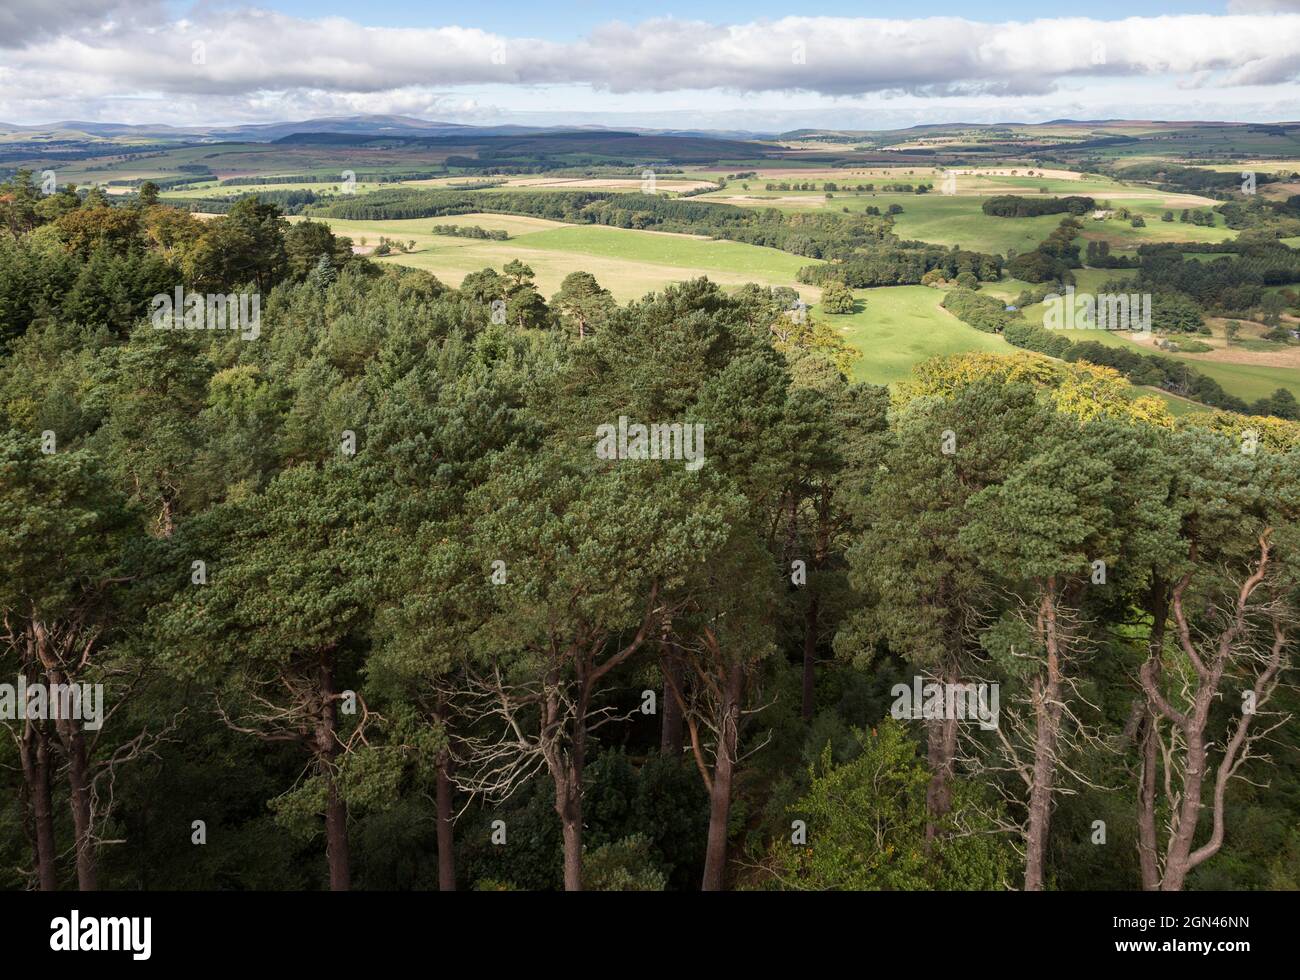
[[575, 17], [764, 65]]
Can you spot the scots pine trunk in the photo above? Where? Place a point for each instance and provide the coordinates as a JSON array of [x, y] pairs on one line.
[[1148, 840], [715, 861], [336, 813], [74, 741], [671, 728], [941, 750], [35, 755], [570, 810], [1046, 692], [810, 624], [567, 772], [446, 840]]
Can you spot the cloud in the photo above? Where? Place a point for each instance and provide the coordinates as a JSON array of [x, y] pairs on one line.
[[1262, 6], [242, 57], [22, 21]]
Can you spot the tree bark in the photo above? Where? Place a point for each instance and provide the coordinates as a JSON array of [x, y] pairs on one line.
[[572, 826], [671, 737], [336, 813], [715, 861], [1178, 853], [941, 750], [336, 840], [446, 841], [1148, 841], [810, 623], [35, 752], [1047, 723], [79, 785], [73, 739], [568, 772]]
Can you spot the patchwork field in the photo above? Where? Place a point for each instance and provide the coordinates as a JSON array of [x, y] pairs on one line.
[[1248, 381], [957, 219], [627, 262], [894, 327]]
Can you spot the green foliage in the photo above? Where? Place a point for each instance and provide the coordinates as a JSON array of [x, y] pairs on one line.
[[623, 866], [1011, 206], [836, 297], [866, 823], [981, 312]]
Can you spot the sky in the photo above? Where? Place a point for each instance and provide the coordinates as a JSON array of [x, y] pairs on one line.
[[762, 65]]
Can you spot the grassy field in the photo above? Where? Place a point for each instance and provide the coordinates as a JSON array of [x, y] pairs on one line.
[[957, 219], [1248, 381], [629, 263], [760, 264], [897, 326]]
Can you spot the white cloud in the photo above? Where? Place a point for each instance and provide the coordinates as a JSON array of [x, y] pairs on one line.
[[24, 20], [1262, 6], [255, 59]]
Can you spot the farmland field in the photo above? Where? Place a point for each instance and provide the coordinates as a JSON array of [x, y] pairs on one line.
[[627, 262], [899, 326], [1248, 381]]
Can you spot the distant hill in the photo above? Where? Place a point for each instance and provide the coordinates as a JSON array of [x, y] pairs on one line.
[[356, 125]]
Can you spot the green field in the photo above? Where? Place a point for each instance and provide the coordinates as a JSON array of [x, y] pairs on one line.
[[627, 262], [898, 326], [762, 264], [958, 219], [1247, 381]]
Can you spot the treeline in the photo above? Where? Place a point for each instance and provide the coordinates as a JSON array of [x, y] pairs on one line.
[[368, 178], [820, 235], [1053, 259], [903, 265], [981, 311], [165, 183], [290, 202], [832, 186], [470, 231], [1097, 255], [1012, 206], [1195, 180], [990, 315], [1230, 284]]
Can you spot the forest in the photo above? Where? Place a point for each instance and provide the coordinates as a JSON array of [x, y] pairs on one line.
[[368, 610]]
